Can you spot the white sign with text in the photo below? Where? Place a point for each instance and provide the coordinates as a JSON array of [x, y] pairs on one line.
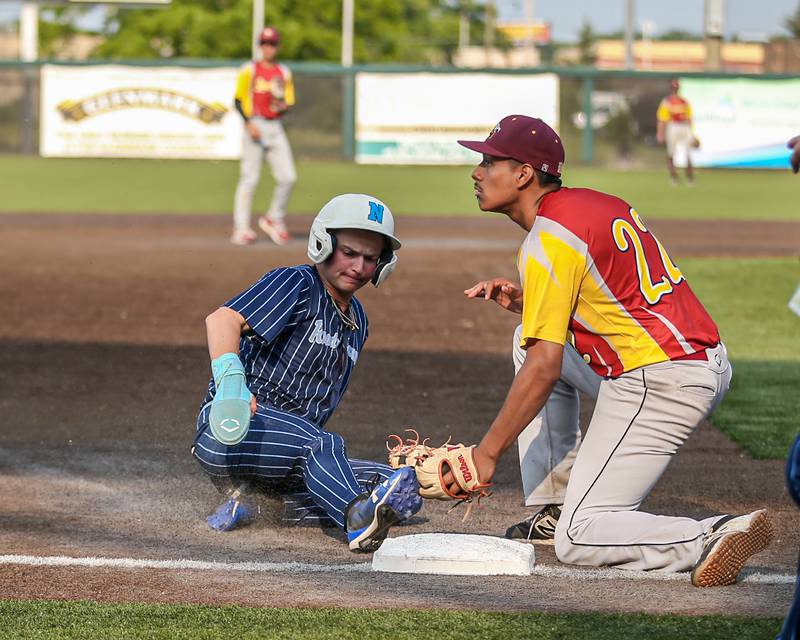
[[417, 118], [139, 112]]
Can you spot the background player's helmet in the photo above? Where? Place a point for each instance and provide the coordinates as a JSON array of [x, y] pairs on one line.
[[354, 211]]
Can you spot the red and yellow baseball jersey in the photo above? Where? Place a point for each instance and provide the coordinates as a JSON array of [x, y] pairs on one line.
[[674, 109], [259, 85], [592, 272]]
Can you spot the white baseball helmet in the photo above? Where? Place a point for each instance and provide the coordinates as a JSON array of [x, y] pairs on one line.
[[354, 211]]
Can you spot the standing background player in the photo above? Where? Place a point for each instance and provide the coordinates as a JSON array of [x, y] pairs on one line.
[[674, 127], [794, 143], [592, 273], [264, 92], [295, 336]]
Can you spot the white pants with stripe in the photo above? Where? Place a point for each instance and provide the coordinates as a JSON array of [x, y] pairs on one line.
[[640, 421], [549, 444]]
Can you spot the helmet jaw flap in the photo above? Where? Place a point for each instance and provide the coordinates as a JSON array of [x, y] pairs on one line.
[[320, 242], [386, 264], [354, 211]]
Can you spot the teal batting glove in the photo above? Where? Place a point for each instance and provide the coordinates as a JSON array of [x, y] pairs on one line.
[[230, 408]]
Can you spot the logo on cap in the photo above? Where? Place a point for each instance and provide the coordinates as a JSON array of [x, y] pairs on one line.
[[493, 131]]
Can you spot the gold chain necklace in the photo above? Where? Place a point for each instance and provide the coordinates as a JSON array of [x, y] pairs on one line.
[[347, 318]]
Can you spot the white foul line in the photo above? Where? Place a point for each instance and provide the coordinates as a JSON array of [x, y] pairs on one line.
[[133, 563], [565, 573]]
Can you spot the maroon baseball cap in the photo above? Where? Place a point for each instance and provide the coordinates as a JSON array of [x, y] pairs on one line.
[[269, 35], [524, 139]]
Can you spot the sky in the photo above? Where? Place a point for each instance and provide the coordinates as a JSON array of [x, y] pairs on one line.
[[745, 18], [741, 17]]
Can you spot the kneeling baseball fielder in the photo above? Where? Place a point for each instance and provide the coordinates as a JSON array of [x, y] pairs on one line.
[[593, 275]]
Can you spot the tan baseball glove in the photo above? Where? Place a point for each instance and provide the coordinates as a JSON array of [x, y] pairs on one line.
[[456, 458], [432, 463], [408, 452]]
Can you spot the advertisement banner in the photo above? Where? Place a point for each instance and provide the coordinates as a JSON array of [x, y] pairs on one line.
[[743, 123], [417, 118], [139, 112]]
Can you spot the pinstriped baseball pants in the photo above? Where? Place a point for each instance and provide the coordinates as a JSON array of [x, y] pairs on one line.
[[280, 446]]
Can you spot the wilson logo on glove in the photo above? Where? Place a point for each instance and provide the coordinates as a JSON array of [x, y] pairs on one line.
[[464, 468]]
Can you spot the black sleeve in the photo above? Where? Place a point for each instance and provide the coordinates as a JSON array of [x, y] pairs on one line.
[[238, 104]]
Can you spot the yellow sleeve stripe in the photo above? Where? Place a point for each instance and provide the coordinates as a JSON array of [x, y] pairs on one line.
[[243, 82], [663, 113], [288, 86], [551, 280]]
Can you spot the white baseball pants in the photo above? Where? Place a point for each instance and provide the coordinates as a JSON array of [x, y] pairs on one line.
[[639, 422], [549, 444], [274, 146]]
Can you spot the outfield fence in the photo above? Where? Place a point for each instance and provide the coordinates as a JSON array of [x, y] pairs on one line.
[[619, 106]]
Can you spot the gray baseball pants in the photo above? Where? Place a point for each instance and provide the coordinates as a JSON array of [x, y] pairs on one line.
[[640, 421], [274, 146], [549, 444]]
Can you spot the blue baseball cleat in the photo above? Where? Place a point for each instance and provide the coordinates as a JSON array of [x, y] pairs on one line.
[[370, 515], [235, 511]]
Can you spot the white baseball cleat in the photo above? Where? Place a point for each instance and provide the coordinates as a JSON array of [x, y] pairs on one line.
[[275, 229], [729, 544], [248, 236]]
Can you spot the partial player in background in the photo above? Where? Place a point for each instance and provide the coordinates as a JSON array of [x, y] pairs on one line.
[[592, 274], [794, 143], [674, 128], [284, 349], [264, 92], [791, 625]]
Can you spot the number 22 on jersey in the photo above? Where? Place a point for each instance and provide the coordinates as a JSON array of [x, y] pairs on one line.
[[626, 237]]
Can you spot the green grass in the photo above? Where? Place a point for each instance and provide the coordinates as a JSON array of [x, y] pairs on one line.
[[88, 621], [748, 299], [32, 184]]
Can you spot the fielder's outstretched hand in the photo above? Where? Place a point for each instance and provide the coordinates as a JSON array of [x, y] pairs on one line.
[[794, 143], [504, 292], [484, 466]]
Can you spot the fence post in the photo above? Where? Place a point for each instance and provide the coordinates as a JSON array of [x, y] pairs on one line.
[[348, 114], [587, 140], [27, 110]]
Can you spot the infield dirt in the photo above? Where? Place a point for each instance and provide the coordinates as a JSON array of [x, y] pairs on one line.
[[103, 366]]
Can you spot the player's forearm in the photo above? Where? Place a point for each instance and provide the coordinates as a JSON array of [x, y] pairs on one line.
[[223, 330], [528, 394]]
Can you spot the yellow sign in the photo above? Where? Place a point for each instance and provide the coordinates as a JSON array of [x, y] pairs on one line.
[[539, 32], [141, 97]]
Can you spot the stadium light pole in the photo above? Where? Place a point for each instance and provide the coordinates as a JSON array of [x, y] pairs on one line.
[[258, 25], [29, 32], [630, 32], [530, 13], [348, 82], [712, 33], [347, 33]]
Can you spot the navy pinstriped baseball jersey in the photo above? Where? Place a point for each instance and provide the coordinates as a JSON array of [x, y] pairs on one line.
[[299, 353]]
